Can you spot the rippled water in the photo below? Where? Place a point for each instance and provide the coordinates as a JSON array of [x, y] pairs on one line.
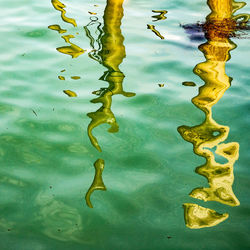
[[47, 157]]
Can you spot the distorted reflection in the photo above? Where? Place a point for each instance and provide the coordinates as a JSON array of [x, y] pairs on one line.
[[152, 27], [160, 16], [73, 50], [108, 50], [57, 28], [61, 7], [97, 182], [220, 25]]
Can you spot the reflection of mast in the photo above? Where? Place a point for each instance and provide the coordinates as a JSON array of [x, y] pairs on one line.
[[219, 24], [111, 56]]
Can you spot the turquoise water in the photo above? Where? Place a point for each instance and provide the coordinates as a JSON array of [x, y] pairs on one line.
[[46, 155]]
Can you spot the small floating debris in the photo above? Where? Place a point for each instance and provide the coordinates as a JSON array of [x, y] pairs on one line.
[[70, 93], [160, 16], [75, 77], [92, 13], [57, 28], [34, 112], [63, 70], [96, 5], [61, 77], [161, 85], [190, 84], [152, 27]]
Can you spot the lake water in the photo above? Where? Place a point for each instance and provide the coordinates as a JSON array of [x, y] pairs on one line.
[[109, 66]]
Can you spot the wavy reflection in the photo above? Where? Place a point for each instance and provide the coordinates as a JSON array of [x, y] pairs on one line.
[[61, 7], [154, 30], [208, 136], [160, 16], [72, 49], [108, 49], [97, 182]]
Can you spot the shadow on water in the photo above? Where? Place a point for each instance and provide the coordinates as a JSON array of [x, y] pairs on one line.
[[209, 136]]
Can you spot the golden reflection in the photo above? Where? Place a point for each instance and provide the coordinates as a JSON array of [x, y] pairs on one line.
[[110, 53], [208, 136], [197, 216], [60, 7], [152, 27], [160, 16], [57, 28], [70, 93], [97, 182], [72, 50]]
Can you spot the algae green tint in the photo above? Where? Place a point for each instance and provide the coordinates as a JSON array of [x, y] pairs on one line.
[[68, 130]]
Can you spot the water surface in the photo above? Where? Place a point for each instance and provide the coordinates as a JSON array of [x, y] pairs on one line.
[[149, 169]]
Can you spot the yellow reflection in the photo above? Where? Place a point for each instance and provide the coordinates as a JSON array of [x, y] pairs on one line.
[[209, 135], [197, 216], [72, 49], [60, 7], [152, 27], [97, 182], [110, 53], [57, 28], [160, 16]]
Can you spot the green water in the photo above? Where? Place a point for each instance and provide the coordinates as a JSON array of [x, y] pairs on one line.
[[46, 155]]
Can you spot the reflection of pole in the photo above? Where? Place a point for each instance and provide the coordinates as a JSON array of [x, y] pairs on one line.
[[112, 55], [209, 134], [113, 50]]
